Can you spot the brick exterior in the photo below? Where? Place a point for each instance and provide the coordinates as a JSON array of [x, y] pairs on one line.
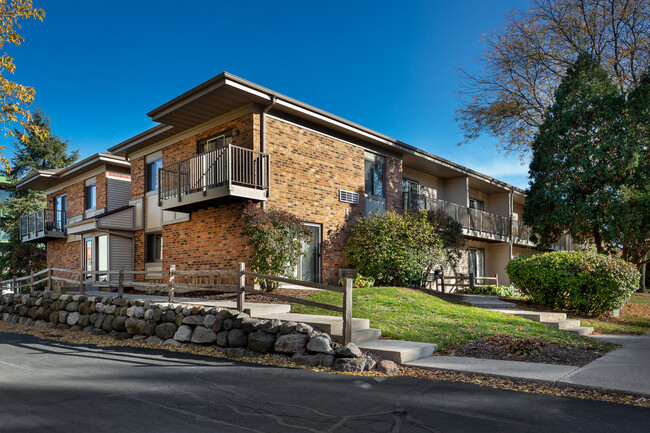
[[64, 254]]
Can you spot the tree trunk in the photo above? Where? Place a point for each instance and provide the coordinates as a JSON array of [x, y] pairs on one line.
[[642, 288], [598, 240]]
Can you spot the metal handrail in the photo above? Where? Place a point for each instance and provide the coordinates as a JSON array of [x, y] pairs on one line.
[[227, 165], [43, 220]]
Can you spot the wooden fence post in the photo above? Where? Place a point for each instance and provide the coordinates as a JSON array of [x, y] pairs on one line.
[[496, 276], [471, 280], [347, 311], [241, 284], [172, 277], [120, 283], [49, 278], [82, 287], [442, 281], [31, 281], [14, 285]]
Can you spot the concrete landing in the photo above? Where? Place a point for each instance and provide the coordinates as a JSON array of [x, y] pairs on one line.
[[399, 351], [547, 373], [484, 301], [331, 324]]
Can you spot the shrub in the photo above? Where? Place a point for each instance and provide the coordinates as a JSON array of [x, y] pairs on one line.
[[580, 281], [275, 240], [507, 291], [394, 248], [360, 282]]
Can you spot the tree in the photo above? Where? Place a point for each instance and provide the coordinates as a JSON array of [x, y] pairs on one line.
[[524, 62], [275, 240], [450, 232], [14, 97], [587, 172], [37, 152]]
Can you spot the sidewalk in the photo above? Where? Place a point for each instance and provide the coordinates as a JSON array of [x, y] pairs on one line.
[[625, 370]]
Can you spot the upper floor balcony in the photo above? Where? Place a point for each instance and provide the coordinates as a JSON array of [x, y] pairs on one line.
[[43, 225], [521, 234], [203, 180], [475, 222]]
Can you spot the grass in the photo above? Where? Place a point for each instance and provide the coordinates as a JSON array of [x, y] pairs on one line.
[[405, 314], [634, 318]]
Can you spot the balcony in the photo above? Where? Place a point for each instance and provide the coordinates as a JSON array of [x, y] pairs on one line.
[[521, 234], [227, 173], [43, 225], [475, 223]]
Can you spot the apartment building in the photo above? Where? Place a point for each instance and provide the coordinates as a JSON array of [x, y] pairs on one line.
[[88, 221], [229, 141]]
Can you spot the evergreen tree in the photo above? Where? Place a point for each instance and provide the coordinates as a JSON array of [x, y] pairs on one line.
[[37, 151]]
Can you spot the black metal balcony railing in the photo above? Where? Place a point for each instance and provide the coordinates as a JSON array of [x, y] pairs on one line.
[[226, 166], [42, 221], [471, 219]]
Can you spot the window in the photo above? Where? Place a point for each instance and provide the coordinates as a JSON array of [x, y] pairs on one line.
[[374, 168], [215, 142], [476, 204], [154, 247], [152, 174], [411, 190], [91, 196], [477, 262], [60, 207]]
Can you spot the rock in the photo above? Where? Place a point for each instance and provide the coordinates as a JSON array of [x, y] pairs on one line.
[[157, 314], [99, 307], [291, 343], [110, 309], [73, 318], [349, 350], [272, 326], [166, 330], [76, 328], [171, 342], [98, 332], [108, 323], [261, 341], [304, 328], [370, 364], [350, 364], [183, 334], [223, 314], [179, 319], [131, 325], [234, 352], [209, 320], [318, 360], [89, 329], [72, 306], [203, 335], [222, 338], [168, 316], [237, 338], [139, 313], [386, 366], [320, 344], [227, 325], [239, 319], [120, 335], [63, 317], [148, 327], [193, 320], [119, 323], [148, 314], [99, 321], [139, 338], [153, 339], [250, 325], [187, 311]]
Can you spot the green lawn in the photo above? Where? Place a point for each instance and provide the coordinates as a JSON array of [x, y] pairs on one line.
[[405, 314], [634, 318]]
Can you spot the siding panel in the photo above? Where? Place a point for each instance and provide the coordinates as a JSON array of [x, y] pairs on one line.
[[118, 194]]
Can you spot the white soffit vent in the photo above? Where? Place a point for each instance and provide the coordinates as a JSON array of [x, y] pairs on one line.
[[348, 196]]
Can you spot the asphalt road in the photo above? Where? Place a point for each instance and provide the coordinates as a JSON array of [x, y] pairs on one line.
[[51, 387]]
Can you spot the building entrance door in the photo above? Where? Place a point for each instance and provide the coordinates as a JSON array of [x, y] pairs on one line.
[[310, 266]]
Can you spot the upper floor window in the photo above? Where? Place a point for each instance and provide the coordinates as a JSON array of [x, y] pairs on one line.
[[91, 196], [152, 174], [374, 173], [476, 204], [215, 142]]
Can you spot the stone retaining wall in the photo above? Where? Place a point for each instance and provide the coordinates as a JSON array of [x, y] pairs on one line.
[[228, 331]]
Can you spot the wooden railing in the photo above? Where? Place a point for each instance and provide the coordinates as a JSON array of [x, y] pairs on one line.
[[42, 220], [450, 283], [54, 281], [228, 165]]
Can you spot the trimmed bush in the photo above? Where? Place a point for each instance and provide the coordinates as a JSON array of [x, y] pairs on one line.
[[580, 281], [507, 291]]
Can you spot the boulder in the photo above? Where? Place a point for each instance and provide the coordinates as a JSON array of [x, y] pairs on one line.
[[350, 364], [171, 342], [166, 330], [272, 326], [203, 335], [183, 334], [63, 317], [222, 338], [250, 325], [148, 314], [138, 313], [227, 324], [291, 343], [237, 338], [239, 319], [73, 318], [223, 314], [179, 319], [193, 320], [209, 320], [349, 350], [119, 323], [320, 344], [99, 320], [261, 341], [108, 323], [304, 328], [386, 366], [318, 360], [109, 309], [168, 316], [153, 339]]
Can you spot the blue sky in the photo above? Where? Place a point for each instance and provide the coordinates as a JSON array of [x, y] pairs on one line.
[[98, 67]]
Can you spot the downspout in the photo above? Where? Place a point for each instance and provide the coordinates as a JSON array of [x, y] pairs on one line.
[[263, 139]]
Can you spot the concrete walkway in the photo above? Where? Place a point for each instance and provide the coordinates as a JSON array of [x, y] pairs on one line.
[[624, 370]]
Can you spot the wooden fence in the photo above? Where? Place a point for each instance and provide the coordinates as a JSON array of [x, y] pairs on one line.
[[451, 283], [82, 278]]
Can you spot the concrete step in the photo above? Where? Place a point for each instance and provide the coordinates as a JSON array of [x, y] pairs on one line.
[[485, 301], [360, 336], [331, 324], [399, 351], [533, 315], [581, 330], [563, 324]]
